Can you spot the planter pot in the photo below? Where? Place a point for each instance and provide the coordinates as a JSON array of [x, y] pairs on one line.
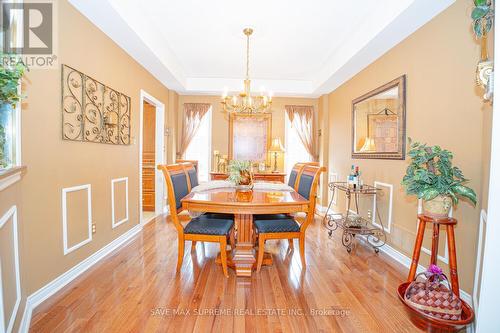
[[244, 188], [438, 207]]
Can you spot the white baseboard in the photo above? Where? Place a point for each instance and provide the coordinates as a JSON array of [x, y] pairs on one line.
[[320, 209], [406, 261], [58, 283]]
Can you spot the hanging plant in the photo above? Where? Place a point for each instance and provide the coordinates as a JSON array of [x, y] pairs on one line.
[[482, 16]]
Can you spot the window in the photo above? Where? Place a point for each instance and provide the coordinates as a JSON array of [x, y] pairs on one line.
[[295, 150], [10, 149], [201, 146], [8, 137]]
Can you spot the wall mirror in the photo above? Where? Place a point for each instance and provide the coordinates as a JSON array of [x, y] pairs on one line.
[[249, 136], [378, 122]]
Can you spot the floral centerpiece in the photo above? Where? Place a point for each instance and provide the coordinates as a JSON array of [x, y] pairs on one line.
[[240, 174]]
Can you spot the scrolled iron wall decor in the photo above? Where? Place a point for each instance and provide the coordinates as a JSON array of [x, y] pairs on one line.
[[92, 111]]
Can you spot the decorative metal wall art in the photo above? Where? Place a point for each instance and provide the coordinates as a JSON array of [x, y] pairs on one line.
[[92, 111]]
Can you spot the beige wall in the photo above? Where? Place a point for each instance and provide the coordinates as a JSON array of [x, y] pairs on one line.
[[220, 124], [323, 147], [171, 125], [443, 108], [54, 164], [8, 273], [8, 198]]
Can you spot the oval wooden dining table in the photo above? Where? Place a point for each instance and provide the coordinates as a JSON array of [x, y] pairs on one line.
[[244, 205]]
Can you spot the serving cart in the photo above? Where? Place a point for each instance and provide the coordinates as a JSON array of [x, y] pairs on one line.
[[351, 222]]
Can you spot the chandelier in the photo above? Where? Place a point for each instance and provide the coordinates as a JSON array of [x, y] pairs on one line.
[[244, 102]]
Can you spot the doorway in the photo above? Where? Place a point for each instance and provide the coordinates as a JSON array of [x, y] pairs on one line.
[[151, 154]]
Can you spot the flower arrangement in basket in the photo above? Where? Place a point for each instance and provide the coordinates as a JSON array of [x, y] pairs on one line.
[[240, 174], [433, 296]]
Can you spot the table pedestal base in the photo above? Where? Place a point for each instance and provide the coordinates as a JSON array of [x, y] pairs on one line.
[[242, 264]]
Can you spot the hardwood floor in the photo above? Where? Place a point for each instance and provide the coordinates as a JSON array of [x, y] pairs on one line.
[[137, 290]]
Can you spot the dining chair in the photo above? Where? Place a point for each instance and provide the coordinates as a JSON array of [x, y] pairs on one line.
[[293, 182], [294, 173], [193, 162], [286, 227], [216, 228], [192, 172]]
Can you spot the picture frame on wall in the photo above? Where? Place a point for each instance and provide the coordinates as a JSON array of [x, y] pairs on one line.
[[379, 122]]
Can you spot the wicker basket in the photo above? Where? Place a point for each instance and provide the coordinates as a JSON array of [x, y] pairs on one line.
[[434, 298]]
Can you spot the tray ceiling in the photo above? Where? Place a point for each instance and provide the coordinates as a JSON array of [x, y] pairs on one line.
[[299, 48]]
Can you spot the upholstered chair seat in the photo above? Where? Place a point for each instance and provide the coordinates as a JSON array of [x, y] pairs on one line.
[[276, 225], [206, 225]]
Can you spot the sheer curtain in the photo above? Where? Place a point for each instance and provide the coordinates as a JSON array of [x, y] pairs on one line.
[[193, 113], [295, 150], [301, 118], [201, 147]]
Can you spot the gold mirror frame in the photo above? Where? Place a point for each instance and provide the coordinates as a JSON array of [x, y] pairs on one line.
[[233, 116], [400, 82]]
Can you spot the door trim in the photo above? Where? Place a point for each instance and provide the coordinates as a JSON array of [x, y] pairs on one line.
[[159, 152]]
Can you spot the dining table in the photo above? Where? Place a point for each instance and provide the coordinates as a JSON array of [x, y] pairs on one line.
[[244, 205]]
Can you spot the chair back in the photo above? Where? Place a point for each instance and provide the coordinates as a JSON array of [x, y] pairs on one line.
[[307, 183], [178, 186], [192, 173], [308, 187], [293, 179], [193, 162], [294, 175]]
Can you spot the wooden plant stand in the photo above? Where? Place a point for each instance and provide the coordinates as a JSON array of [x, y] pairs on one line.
[[420, 319]]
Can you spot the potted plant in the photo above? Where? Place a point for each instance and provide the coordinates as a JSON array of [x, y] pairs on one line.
[[240, 174], [482, 16], [431, 177], [9, 97]]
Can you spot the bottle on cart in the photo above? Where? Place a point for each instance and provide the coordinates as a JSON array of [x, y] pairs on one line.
[[353, 179]]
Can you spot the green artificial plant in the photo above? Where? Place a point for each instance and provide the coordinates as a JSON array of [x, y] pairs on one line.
[[431, 174], [482, 17], [239, 172]]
